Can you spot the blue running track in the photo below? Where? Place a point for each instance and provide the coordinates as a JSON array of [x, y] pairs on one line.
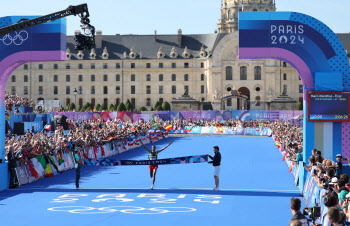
[[256, 189]]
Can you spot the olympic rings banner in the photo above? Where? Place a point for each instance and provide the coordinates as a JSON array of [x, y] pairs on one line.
[[177, 160]]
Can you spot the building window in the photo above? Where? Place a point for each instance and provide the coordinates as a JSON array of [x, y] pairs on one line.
[[105, 78], [243, 73], [185, 65], [229, 73], [55, 66], [55, 78], [148, 102], [257, 101], [161, 101], [117, 65], [117, 90], [173, 65], [148, 89], [92, 65], [92, 78], [299, 77], [160, 89], [13, 78], [229, 102], [41, 66], [173, 89], [202, 65], [202, 89], [81, 101], [148, 65], [40, 90], [132, 77], [55, 90], [132, 65], [257, 73], [80, 90], [284, 89], [67, 101], [25, 90], [301, 100], [80, 66], [160, 77], [25, 67], [148, 77], [160, 65], [25, 78], [67, 89], [186, 77], [41, 78], [105, 90], [105, 101], [13, 90], [284, 76], [284, 64], [300, 88], [105, 66], [202, 77], [67, 78], [203, 99], [93, 101], [132, 89], [117, 78], [173, 77], [186, 89], [80, 78], [92, 89], [133, 103], [117, 102], [67, 66]]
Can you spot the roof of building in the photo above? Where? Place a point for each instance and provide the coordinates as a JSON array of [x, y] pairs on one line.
[[147, 45]]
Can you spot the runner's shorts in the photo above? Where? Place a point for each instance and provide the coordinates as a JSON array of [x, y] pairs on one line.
[[151, 168], [217, 170]]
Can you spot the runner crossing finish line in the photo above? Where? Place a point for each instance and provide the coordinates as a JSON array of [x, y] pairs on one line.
[[177, 160]]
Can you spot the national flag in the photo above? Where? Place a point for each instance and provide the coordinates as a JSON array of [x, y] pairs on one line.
[[94, 110], [140, 120], [122, 126], [110, 138], [47, 127], [169, 127], [8, 116]]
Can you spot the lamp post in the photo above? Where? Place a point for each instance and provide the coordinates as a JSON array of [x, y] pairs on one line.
[[75, 92]]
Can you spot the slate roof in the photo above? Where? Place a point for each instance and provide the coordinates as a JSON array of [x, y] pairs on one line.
[[118, 44]]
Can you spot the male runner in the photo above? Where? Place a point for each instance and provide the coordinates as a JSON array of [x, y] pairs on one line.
[[153, 155]]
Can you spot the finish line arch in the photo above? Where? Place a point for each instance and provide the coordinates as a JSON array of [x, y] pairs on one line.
[[45, 42], [316, 53]]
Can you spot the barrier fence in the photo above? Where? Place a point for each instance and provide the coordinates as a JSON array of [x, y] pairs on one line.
[[47, 166], [248, 131]]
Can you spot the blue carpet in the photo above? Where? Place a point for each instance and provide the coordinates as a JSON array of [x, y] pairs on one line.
[[256, 189]]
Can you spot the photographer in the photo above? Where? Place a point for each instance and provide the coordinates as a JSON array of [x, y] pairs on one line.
[[295, 205]]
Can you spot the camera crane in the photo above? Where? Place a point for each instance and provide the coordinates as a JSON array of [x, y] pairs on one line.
[[86, 41]]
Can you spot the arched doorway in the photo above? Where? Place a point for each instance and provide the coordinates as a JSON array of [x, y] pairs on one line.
[[245, 92]]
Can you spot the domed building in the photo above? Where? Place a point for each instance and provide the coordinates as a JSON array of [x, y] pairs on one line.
[[149, 68]]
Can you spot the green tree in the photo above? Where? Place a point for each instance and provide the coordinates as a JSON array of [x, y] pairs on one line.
[[88, 109], [142, 109], [103, 107], [156, 105], [72, 107], [300, 106], [98, 106], [121, 107], [111, 107], [128, 105], [151, 109], [159, 108], [166, 106], [68, 107], [79, 108]]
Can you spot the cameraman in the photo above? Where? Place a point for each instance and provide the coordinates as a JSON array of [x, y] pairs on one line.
[[295, 205]]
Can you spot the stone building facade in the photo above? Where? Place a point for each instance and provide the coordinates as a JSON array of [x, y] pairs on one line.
[[150, 68]]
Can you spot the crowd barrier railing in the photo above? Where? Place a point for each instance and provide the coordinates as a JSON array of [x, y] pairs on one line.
[[248, 131], [47, 166]]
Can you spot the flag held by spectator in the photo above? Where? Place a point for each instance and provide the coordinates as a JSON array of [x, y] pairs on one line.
[[168, 128], [47, 127]]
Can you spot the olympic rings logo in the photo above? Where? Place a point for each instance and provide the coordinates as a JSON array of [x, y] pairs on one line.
[[122, 209], [18, 39]]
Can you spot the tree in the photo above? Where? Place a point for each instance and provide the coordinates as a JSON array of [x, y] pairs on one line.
[[159, 108], [68, 107], [300, 106], [121, 107], [103, 107], [88, 109], [142, 109], [128, 105], [98, 106], [166, 106], [79, 108], [111, 107], [72, 107], [151, 109], [156, 105]]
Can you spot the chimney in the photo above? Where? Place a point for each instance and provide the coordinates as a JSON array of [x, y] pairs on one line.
[[179, 37], [155, 35], [98, 39]]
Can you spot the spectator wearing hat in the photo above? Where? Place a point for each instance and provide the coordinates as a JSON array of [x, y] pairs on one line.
[[217, 166]]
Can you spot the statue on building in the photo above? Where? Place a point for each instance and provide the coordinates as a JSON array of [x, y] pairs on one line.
[[216, 94], [186, 92]]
